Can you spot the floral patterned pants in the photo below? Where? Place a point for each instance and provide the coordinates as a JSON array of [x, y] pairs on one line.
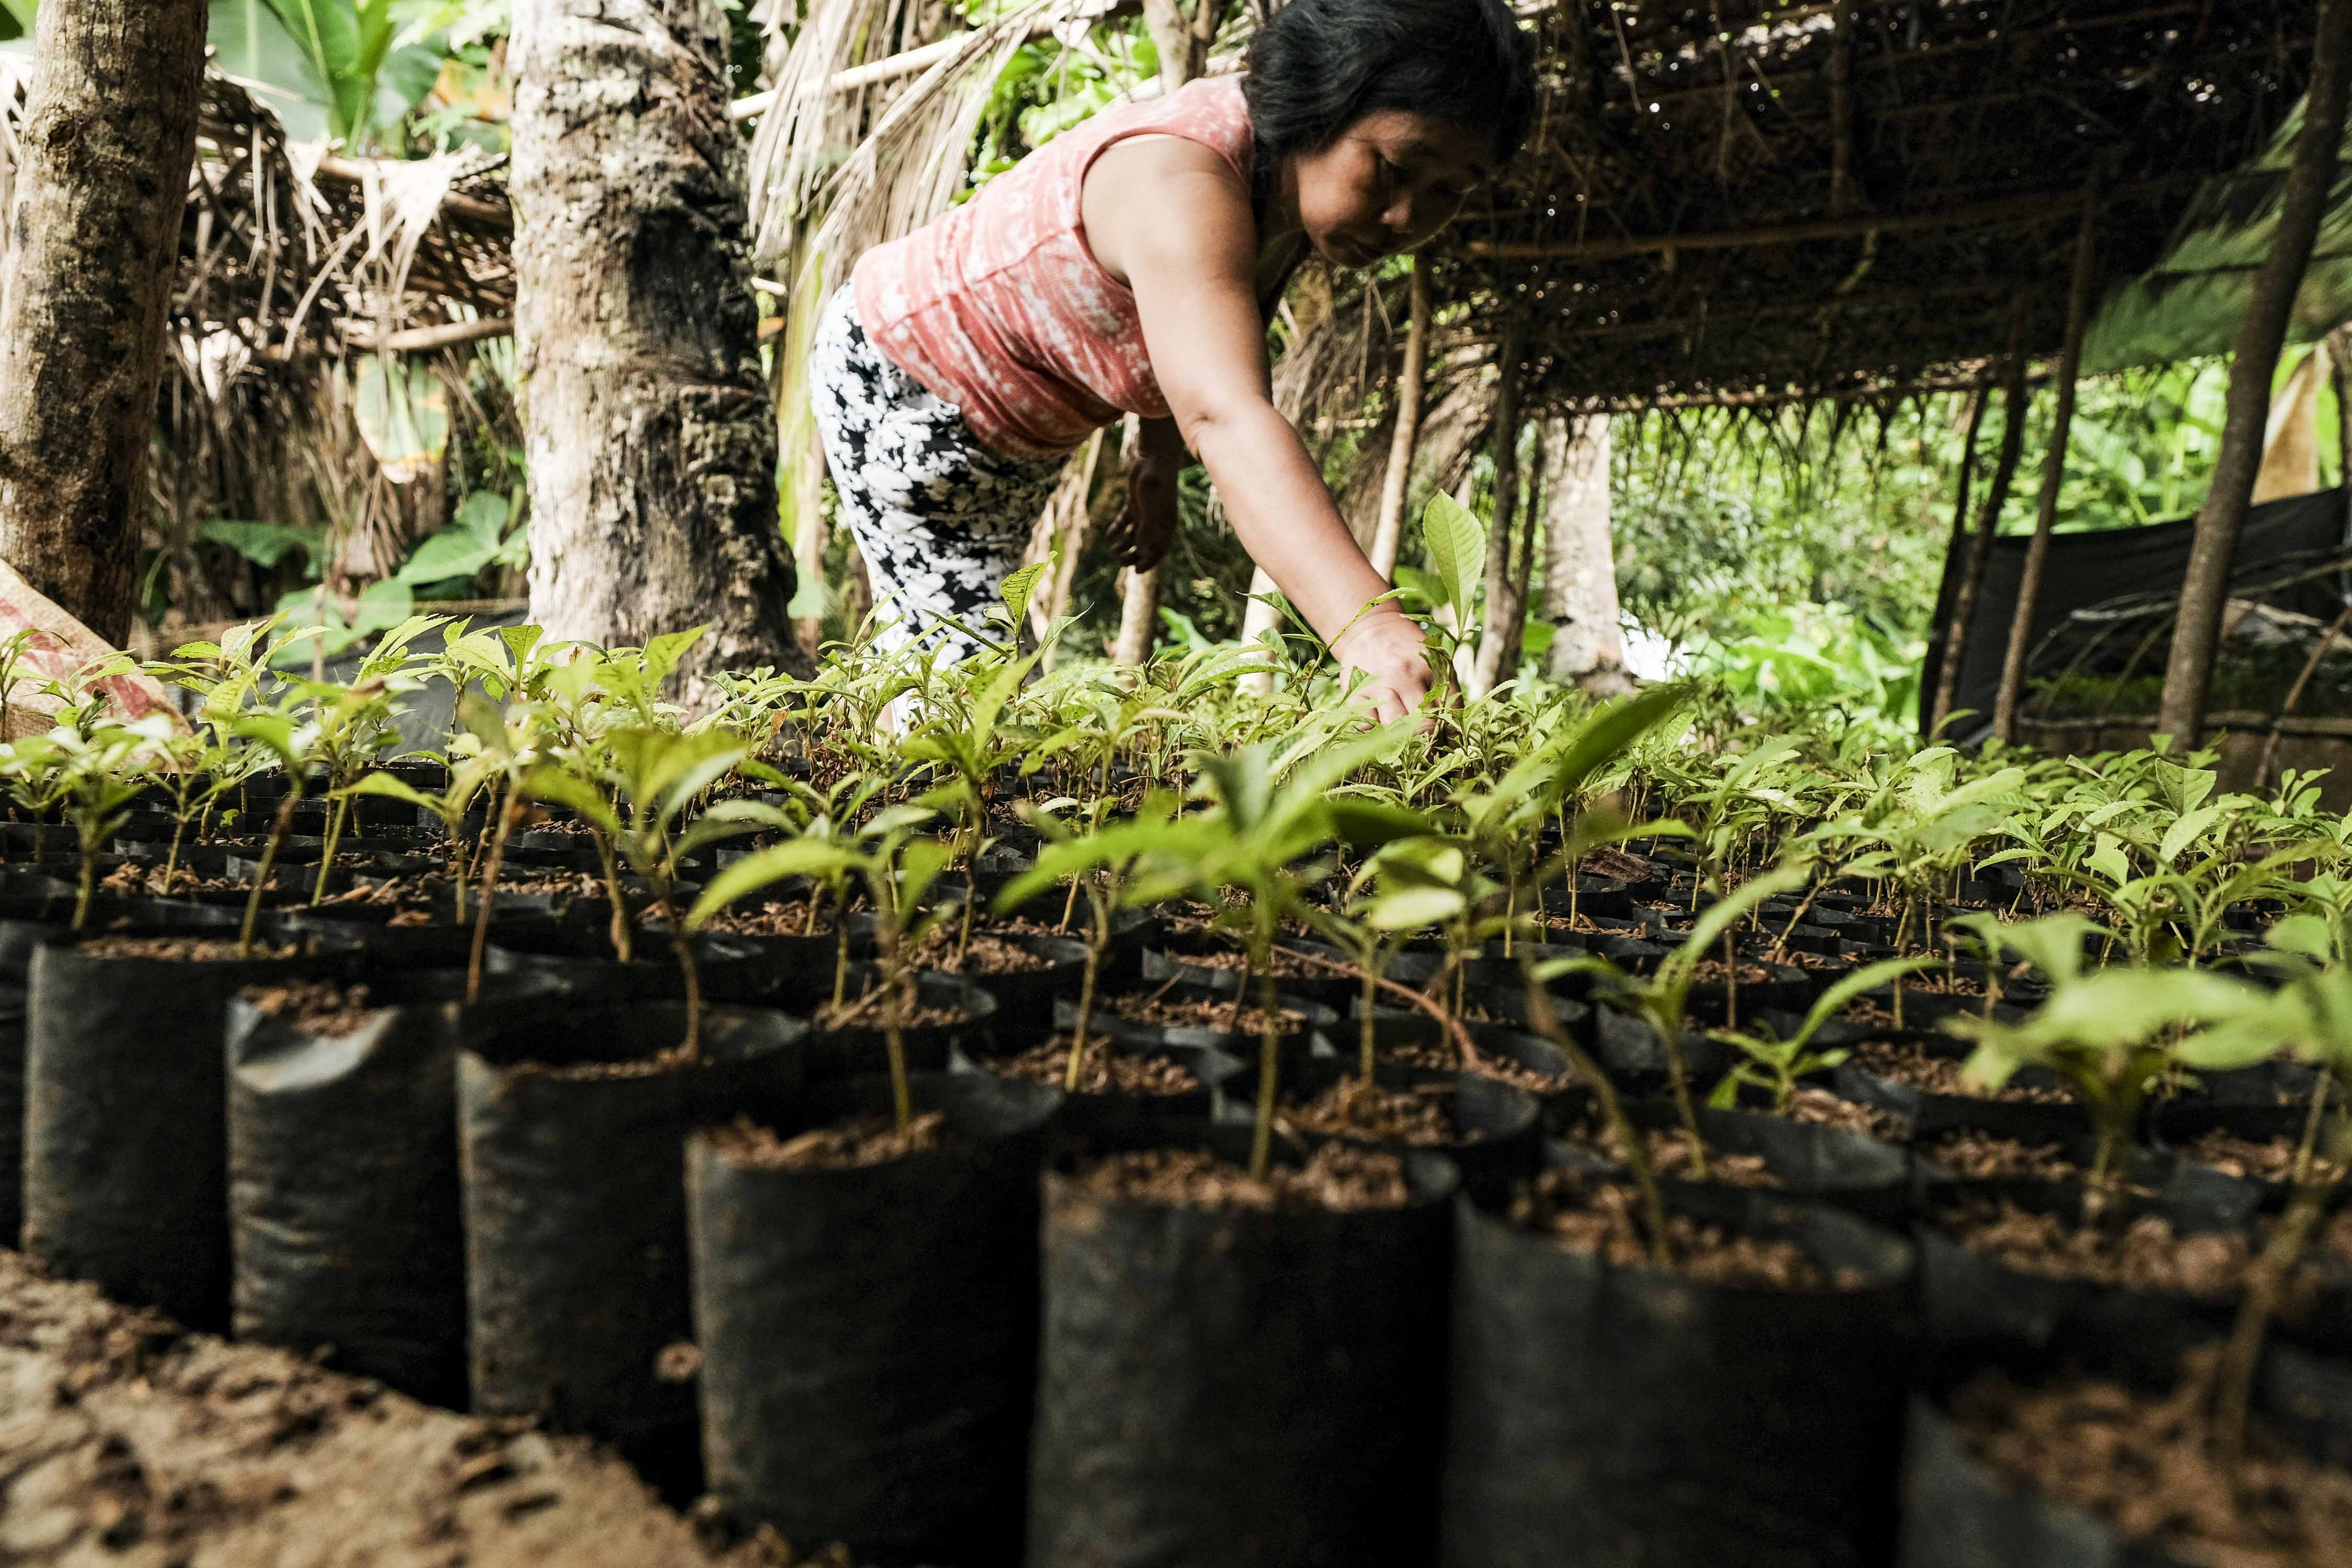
[[940, 519]]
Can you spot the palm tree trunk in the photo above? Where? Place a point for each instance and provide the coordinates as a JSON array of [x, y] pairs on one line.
[[2206, 585], [107, 139], [652, 446]]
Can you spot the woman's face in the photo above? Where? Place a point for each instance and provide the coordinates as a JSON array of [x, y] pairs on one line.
[[1386, 183]]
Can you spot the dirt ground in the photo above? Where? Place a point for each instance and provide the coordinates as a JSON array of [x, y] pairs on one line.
[[128, 1442]]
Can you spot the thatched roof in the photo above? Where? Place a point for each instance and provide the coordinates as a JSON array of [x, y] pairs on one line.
[[1729, 201]]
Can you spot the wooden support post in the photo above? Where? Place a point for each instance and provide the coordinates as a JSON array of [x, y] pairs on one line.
[[1184, 49], [2054, 471], [1397, 483], [1505, 606], [2205, 588], [1957, 556], [2016, 404]]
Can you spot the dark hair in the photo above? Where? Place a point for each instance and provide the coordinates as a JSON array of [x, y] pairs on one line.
[[1315, 67]]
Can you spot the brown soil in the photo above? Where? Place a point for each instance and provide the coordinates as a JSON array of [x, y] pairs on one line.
[[322, 1007], [1581, 924], [131, 1442], [2145, 1255], [1669, 1149], [1710, 971], [1103, 1072], [1909, 1062], [846, 1145], [2249, 1160], [986, 955], [855, 1014], [1614, 863], [1979, 1156], [131, 881], [1819, 963], [1448, 1058], [1820, 1108], [761, 920], [425, 887], [1285, 966], [2145, 1465], [183, 949], [1172, 1013], [1354, 1108], [1194, 918], [1336, 1178], [1603, 1218]]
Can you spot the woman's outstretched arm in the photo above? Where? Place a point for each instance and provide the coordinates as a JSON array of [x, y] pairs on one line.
[[1178, 225]]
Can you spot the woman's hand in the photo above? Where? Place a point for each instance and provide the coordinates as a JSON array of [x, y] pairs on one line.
[[1139, 535], [1394, 656]]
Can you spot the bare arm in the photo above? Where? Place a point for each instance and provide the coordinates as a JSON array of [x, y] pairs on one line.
[[1175, 225]]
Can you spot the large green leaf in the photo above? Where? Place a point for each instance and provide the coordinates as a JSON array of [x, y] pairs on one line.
[[1457, 552], [253, 44]]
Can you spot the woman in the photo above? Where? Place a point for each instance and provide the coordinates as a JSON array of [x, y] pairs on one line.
[[1129, 266]]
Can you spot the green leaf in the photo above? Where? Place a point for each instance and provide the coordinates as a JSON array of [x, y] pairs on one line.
[[1021, 586], [452, 553], [1411, 909], [1457, 552], [764, 867], [253, 44], [1868, 978], [2186, 830], [266, 543]]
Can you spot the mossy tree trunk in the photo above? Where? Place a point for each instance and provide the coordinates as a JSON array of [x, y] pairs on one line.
[[104, 148], [652, 445]]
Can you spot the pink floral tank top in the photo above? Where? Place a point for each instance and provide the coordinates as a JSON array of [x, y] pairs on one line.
[[1000, 308]]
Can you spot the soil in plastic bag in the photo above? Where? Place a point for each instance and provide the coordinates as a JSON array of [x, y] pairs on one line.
[[343, 1202], [1231, 1386], [1657, 1418], [572, 1140], [878, 1393], [126, 1142]]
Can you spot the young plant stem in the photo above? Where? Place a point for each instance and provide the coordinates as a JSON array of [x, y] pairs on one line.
[[327, 853], [171, 856], [683, 945], [1730, 982], [1545, 1019], [1781, 947], [2308, 1147], [1367, 1034], [621, 930], [1678, 1079], [1095, 945], [489, 900], [840, 950], [2234, 1394], [277, 827], [1269, 1068], [894, 1018], [88, 882]]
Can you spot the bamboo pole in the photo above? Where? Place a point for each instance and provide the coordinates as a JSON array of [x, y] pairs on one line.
[[1958, 551], [1397, 482], [2205, 586], [2016, 404], [2053, 469]]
